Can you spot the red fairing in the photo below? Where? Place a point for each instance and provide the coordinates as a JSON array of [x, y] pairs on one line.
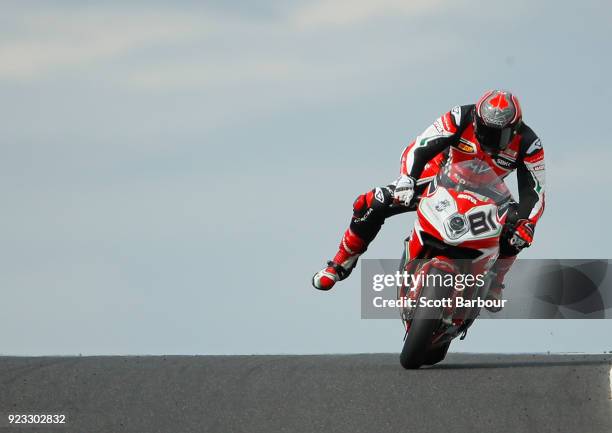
[[466, 200], [481, 243], [414, 246]]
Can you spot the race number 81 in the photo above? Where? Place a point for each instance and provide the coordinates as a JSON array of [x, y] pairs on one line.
[[481, 223]]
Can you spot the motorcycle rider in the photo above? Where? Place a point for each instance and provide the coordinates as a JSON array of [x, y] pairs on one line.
[[491, 130]]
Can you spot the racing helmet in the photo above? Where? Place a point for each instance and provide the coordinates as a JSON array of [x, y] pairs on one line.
[[496, 120]]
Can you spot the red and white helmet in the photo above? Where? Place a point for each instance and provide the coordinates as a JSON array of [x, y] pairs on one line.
[[498, 115]]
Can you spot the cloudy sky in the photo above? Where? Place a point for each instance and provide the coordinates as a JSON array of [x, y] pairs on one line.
[[173, 173]]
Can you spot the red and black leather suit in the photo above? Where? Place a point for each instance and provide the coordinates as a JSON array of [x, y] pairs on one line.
[[451, 138]]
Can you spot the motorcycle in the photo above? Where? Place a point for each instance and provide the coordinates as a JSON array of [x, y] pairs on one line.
[[460, 215]]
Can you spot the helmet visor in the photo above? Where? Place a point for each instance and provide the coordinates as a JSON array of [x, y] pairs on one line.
[[492, 139]]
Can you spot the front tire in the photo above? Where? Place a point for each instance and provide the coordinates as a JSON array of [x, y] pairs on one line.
[[436, 354], [424, 324]]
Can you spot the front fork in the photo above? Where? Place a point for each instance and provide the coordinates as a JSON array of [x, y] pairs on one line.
[[447, 265], [422, 266]]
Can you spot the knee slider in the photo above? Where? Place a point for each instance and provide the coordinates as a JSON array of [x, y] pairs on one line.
[[375, 200], [380, 198], [360, 205]]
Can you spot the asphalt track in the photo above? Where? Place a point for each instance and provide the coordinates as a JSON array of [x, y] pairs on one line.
[[332, 393]]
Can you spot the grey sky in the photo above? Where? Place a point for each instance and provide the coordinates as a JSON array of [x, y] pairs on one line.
[[173, 174]]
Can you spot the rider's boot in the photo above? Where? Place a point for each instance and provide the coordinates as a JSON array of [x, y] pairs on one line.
[[345, 260], [500, 268]]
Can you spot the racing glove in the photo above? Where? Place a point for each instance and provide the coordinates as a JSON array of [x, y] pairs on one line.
[[404, 190], [523, 234]]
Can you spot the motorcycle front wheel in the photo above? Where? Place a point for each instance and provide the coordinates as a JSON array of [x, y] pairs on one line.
[[424, 324]]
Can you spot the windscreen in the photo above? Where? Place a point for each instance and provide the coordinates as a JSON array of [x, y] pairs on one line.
[[476, 176]]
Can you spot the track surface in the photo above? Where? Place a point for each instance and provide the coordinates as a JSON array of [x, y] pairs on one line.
[[334, 393]]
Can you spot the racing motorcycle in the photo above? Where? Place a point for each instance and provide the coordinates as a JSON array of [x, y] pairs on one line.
[[460, 215]]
